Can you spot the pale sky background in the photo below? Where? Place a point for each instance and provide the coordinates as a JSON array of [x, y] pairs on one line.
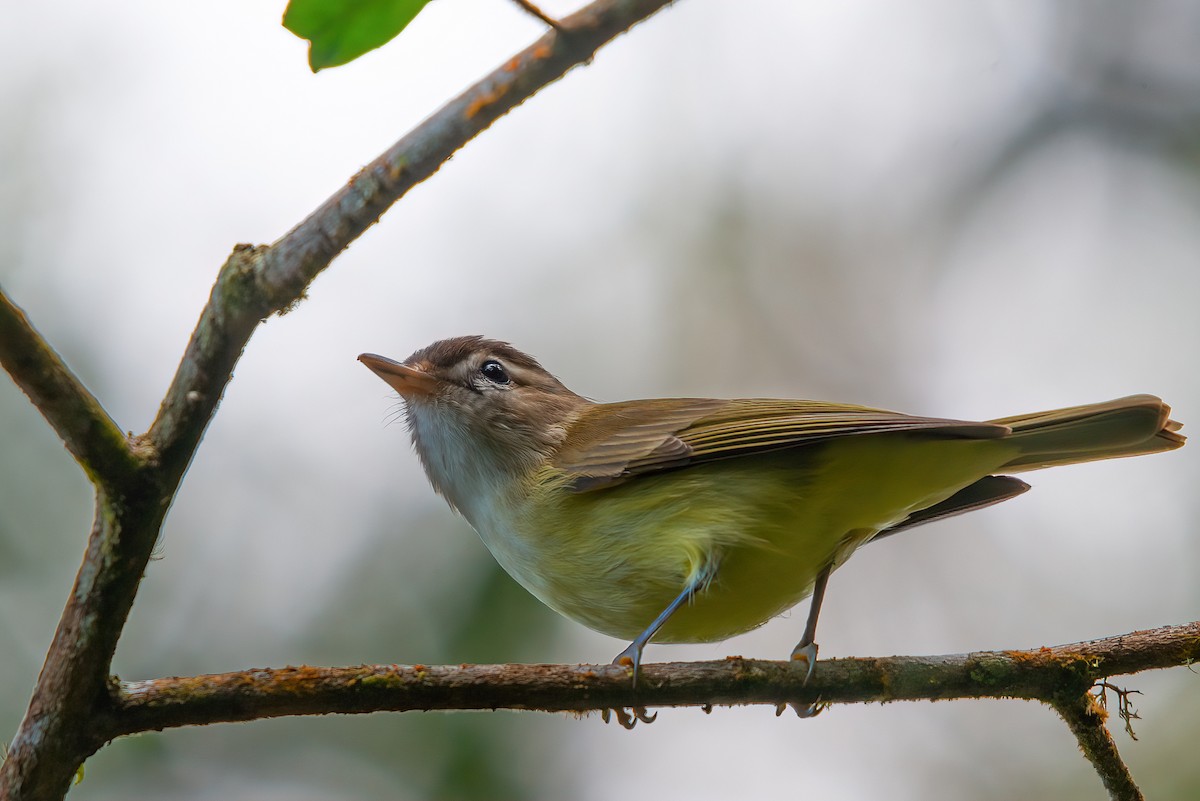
[[967, 210]]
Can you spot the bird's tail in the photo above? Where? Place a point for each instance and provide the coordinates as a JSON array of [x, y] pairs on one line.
[[1128, 426]]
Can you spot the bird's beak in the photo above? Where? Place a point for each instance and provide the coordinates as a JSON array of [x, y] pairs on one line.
[[409, 381]]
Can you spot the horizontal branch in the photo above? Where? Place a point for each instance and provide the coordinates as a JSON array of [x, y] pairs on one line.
[[1045, 674], [80, 421]]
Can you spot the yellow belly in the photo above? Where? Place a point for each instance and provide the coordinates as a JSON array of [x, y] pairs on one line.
[[761, 526]]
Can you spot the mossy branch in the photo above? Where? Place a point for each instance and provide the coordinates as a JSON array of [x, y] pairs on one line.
[[1061, 677], [1045, 674], [1086, 719], [73, 412]]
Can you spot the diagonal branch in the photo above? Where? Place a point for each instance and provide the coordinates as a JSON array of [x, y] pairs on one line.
[[60, 728], [76, 416], [1086, 720], [1046, 674], [257, 282]]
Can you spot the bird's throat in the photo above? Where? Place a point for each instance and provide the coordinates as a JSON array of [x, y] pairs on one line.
[[468, 467]]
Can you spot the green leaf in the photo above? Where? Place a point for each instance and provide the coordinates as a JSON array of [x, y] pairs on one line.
[[342, 30]]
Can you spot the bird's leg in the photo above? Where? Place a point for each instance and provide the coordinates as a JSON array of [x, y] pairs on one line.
[[806, 649], [632, 656]]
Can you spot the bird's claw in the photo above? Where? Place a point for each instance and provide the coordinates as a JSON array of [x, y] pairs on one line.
[[807, 653], [631, 657], [628, 718], [810, 711], [804, 652]]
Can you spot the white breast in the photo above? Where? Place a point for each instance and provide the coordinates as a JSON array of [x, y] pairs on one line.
[[478, 485]]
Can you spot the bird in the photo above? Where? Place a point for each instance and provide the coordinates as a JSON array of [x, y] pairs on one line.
[[697, 519]]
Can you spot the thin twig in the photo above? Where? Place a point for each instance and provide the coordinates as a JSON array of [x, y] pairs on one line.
[[539, 14], [1086, 719], [1125, 710], [76, 416], [1043, 673]]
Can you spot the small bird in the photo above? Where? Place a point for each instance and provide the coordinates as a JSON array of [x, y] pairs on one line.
[[695, 519]]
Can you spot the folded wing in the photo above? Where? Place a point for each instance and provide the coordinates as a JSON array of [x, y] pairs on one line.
[[612, 443]]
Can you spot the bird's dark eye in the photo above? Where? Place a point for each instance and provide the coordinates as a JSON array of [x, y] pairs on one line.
[[494, 371]]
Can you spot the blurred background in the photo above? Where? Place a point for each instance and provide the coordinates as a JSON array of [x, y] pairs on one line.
[[967, 210]]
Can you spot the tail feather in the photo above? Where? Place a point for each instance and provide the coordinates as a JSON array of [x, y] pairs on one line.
[[1132, 426]]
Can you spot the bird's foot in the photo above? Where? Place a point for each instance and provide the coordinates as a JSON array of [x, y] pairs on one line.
[[810, 711], [631, 657], [628, 718], [805, 652]]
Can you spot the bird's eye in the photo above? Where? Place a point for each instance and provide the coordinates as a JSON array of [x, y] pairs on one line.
[[494, 371]]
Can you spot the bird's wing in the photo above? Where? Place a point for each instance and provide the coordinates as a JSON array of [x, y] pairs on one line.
[[610, 443]]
